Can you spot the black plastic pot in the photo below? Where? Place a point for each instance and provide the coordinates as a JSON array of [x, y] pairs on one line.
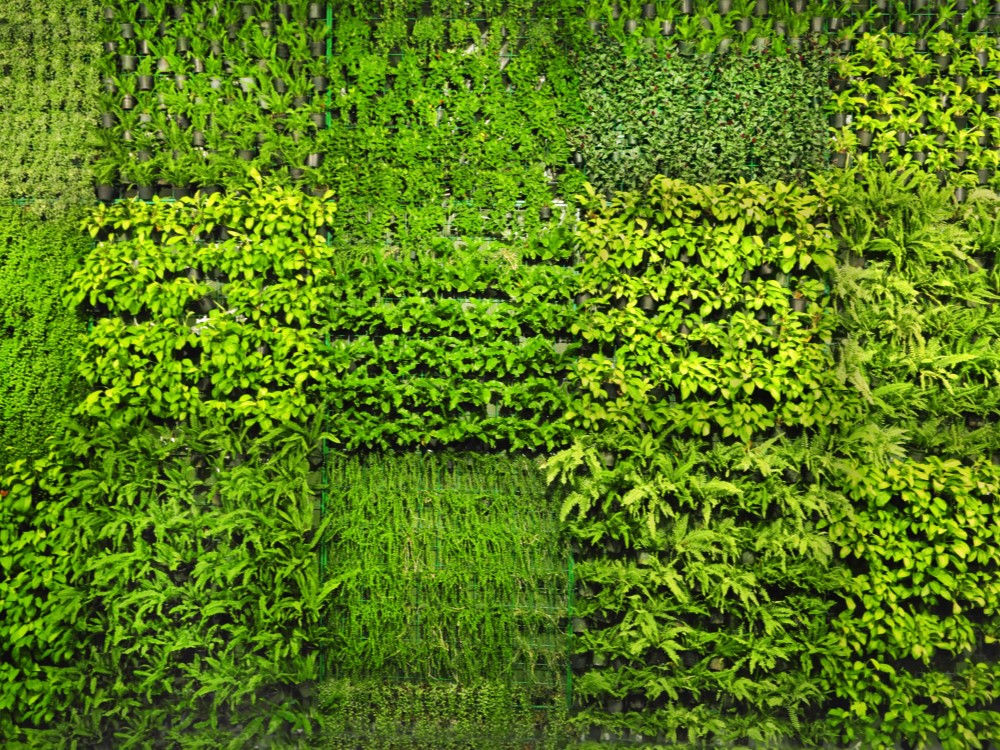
[[318, 119], [961, 122], [984, 175], [317, 49], [315, 11], [667, 28], [961, 193], [144, 83], [245, 155], [183, 44], [920, 45], [128, 102], [649, 11], [109, 47], [144, 192], [816, 24], [942, 61], [960, 81], [281, 51], [319, 84], [799, 304], [105, 192], [902, 138], [881, 81], [129, 63], [284, 10], [725, 6], [743, 25], [177, 12], [960, 157], [865, 138], [108, 120], [919, 157], [582, 299], [296, 173], [279, 85], [840, 160], [760, 8], [180, 192], [198, 139], [544, 213], [314, 160], [127, 31], [838, 120], [142, 47], [647, 303]]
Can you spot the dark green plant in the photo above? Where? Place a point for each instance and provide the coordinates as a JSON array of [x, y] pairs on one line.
[[652, 111], [462, 574], [486, 715], [38, 380]]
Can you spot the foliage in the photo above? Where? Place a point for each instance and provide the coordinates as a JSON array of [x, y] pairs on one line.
[[488, 715], [48, 94], [750, 115], [704, 588], [464, 343], [38, 380], [933, 111], [915, 661], [463, 576], [916, 306], [190, 327], [693, 315], [429, 134], [171, 598], [694, 502], [917, 655]]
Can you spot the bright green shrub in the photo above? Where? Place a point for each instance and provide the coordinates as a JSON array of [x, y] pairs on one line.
[[180, 595], [463, 344], [917, 656], [916, 300], [915, 661], [695, 503]]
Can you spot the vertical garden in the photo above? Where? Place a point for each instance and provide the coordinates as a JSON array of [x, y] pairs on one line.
[[511, 374]]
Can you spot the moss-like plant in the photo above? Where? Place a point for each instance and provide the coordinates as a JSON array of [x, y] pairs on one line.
[[38, 380]]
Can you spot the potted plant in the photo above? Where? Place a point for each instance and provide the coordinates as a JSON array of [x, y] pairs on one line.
[[105, 173], [919, 146], [942, 45]]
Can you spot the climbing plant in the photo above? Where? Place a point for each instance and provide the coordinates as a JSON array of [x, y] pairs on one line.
[[39, 385]]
